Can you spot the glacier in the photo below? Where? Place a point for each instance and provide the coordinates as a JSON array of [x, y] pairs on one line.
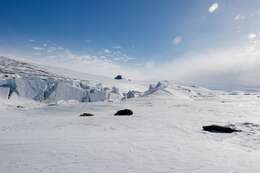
[[32, 82]]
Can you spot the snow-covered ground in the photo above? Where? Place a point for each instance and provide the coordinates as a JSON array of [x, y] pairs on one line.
[[163, 135]]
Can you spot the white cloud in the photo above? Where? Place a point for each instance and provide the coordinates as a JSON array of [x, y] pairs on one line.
[[116, 59], [177, 40], [226, 68], [38, 48], [229, 68], [213, 7], [116, 47], [106, 63], [31, 40], [130, 58], [98, 65], [51, 49], [107, 51], [60, 48], [114, 55], [37, 54], [150, 64], [251, 36], [238, 17]]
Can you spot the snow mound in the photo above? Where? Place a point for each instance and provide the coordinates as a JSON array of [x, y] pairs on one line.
[[158, 89], [167, 89], [196, 92]]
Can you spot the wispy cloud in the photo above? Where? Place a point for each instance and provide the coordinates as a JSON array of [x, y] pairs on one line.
[[213, 7], [229, 68], [51, 49], [226, 68], [105, 62], [107, 51], [177, 40], [92, 64], [239, 17], [251, 36], [38, 48], [116, 47]]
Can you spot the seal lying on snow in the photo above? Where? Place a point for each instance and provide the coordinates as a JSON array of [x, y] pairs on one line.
[[219, 129], [86, 115], [126, 112], [118, 77]]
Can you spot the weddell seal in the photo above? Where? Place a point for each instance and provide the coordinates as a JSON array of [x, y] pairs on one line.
[[219, 129], [118, 77], [86, 115], [124, 112]]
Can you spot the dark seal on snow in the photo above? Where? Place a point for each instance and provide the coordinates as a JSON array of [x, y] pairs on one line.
[[118, 77], [124, 112], [86, 115], [219, 129]]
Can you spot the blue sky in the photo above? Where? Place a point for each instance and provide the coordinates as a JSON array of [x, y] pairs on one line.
[[142, 31], [143, 28]]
